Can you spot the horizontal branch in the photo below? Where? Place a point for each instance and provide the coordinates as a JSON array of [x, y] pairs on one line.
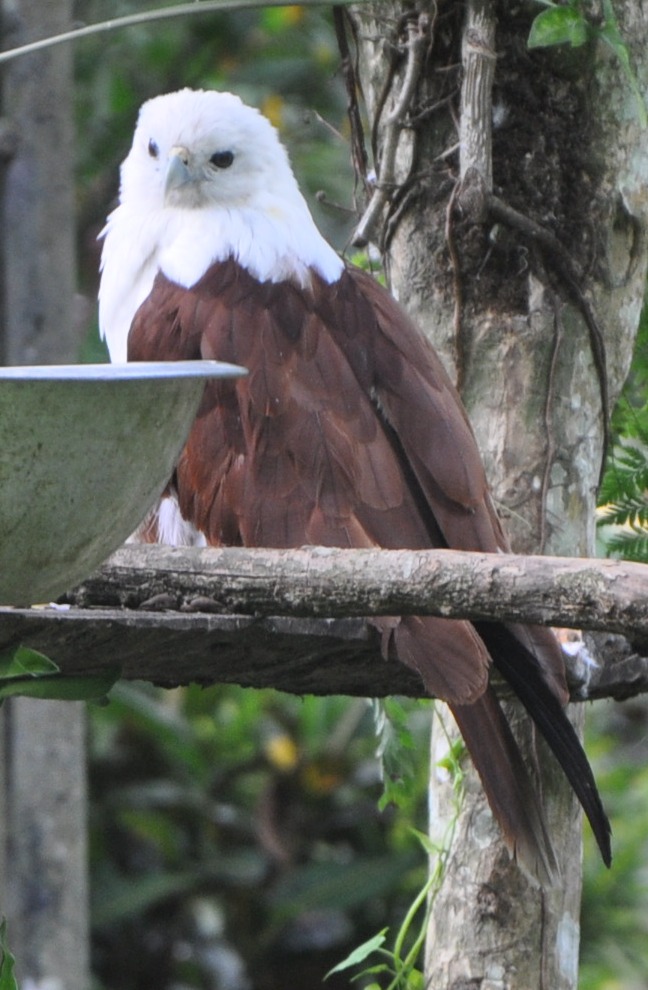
[[321, 581], [161, 614], [147, 17]]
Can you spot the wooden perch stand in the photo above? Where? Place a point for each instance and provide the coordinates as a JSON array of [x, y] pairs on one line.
[[299, 620]]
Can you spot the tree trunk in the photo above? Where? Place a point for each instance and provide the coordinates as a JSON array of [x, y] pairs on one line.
[[43, 886], [514, 233], [38, 204], [45, 895]]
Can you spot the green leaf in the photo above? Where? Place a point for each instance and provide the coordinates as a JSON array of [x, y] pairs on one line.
[[452, 760], [130, 897], [611, 35], [415, 980], [59, 686], [629, 546], [558, 26], [338, 886], [360, 953], [429, 847], [29, 674], [7, 962], [375, 970], [24, 660], [399, 753]]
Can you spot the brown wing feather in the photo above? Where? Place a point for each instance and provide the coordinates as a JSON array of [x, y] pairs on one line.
[[419, 401], [348, 432], [424, 409]]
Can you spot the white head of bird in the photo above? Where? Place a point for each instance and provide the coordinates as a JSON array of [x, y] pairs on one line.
[[206, 178], [199, 149]]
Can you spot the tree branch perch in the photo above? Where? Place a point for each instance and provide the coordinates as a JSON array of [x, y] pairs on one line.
[[296, 619], [323, 581]]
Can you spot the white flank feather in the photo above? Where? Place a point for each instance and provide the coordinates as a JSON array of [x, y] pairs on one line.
[[175, 530], [180, 222]]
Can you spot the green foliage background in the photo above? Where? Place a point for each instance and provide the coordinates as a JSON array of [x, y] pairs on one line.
[[236, 836]]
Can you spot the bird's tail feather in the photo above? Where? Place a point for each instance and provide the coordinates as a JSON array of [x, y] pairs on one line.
[[420, 644], [507, 785], [522, 670]]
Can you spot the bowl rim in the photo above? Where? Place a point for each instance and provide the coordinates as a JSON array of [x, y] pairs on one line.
[[126, 371]]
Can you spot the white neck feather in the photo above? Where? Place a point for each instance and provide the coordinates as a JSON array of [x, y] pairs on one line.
[[274, 239]]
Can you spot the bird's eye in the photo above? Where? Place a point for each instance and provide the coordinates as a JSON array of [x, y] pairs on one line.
[[153, 149], [222, 159]]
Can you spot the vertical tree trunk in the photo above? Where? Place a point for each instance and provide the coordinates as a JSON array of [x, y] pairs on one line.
[[43, 885], [45, 897], [38, 207], [556, 136]]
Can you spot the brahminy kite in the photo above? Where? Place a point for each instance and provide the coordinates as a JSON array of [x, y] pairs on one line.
[[346, 432]]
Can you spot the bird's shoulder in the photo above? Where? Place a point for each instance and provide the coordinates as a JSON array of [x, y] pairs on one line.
[[354, 311]]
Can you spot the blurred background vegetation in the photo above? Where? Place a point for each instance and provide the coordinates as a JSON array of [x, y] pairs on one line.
[[237, 837]]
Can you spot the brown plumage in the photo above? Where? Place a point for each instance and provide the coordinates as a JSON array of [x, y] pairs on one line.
[[348, 432]]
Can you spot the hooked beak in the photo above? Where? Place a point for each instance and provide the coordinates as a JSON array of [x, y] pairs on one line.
[[179, 171]]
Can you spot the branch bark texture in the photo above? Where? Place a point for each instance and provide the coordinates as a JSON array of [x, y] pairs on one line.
[[327, 582], [173, 616], [159, 614]]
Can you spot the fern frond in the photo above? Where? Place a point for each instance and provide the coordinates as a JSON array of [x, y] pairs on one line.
[[632, 512], [629, 546], [626, 477]]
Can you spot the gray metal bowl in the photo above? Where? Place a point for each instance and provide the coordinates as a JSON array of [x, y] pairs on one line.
[[85, 451]]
